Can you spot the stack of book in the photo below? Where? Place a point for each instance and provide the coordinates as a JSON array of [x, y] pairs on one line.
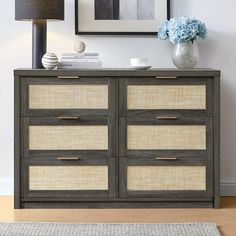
[[85, 60]]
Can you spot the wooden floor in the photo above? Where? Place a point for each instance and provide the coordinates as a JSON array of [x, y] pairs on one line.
[[225, 217]]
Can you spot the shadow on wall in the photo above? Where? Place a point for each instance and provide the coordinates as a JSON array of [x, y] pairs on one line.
[[216, 50], [219, 51]]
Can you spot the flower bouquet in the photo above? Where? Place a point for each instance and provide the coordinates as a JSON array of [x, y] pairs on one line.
[[183, 33]]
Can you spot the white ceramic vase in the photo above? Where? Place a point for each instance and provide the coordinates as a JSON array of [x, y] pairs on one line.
[[185, 55]]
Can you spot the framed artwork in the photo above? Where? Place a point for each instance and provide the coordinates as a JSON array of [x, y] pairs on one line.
[[120, 17]]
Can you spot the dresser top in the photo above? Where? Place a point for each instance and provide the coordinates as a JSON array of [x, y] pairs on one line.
[[118, 72]]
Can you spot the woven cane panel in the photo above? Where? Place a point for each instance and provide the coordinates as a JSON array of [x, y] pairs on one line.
[[166, 178], [172, 137], [166, 97], [68, 178], [68, 97], [68, 138]]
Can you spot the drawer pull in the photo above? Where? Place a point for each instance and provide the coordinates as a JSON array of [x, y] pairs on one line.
[[68, 117], [167, 117], [166, 158], [67, 77], [166, 77], [68, 158]]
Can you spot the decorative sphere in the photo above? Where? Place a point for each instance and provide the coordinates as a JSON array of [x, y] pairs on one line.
[[79, 46], [50, 61]]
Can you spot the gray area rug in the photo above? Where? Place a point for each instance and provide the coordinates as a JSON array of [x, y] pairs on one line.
[[61, 229]]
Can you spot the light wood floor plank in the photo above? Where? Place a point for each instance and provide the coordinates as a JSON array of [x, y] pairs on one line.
[[225, 217]]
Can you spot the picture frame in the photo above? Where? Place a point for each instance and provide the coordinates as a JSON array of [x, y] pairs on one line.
[[120, 17]]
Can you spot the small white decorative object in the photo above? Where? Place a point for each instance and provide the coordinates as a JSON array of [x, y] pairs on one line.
[[50, 61], [139, 63], [79, 46]]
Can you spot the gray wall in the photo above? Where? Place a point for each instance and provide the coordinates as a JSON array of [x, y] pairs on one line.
[[218, 51]]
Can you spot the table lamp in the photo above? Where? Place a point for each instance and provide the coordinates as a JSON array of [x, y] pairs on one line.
[[39, 11]]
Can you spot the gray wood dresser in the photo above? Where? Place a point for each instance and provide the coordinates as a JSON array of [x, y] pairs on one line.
[[117, 138]]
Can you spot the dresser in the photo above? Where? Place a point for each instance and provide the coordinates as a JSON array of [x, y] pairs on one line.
[[117, 138]]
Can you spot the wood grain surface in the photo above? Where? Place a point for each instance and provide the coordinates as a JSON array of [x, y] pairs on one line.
[[224, 217]]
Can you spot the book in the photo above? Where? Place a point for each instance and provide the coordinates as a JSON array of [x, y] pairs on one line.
[[80, 55], [79, 60], [80, 65]]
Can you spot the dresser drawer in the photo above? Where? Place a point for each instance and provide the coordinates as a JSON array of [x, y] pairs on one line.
[[85, 136], [70, 95], [163, 96], [151, 177], [154, 136], [51, 177]]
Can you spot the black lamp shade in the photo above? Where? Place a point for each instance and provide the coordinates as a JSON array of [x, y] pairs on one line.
[[39, 9]]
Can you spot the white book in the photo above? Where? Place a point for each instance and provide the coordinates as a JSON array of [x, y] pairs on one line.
[[86, 54], [80, 65], [79, 60]]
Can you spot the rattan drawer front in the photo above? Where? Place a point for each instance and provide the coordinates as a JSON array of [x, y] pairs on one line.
[[166, 177], [68, 97], [85, 137], [166, 137], [151, 178], [190, 97], [66, 137], [68, 178], [177, 96]]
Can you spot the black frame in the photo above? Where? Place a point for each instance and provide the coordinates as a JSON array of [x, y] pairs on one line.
[[77, 32]]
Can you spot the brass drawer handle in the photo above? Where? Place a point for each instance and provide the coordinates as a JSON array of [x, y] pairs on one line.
[[68, 77], [68, 158], [68, 117], [167, 117], [166, 158], [166, 77]]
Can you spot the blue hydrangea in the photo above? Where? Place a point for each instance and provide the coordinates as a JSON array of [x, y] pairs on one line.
[[163, 31], [182, 29]]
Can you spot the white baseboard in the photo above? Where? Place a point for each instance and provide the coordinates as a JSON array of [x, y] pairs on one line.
[[6, 187], [227, 187]]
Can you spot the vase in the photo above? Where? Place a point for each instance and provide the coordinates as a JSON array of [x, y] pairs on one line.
[[185, 55], [50, 61]]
